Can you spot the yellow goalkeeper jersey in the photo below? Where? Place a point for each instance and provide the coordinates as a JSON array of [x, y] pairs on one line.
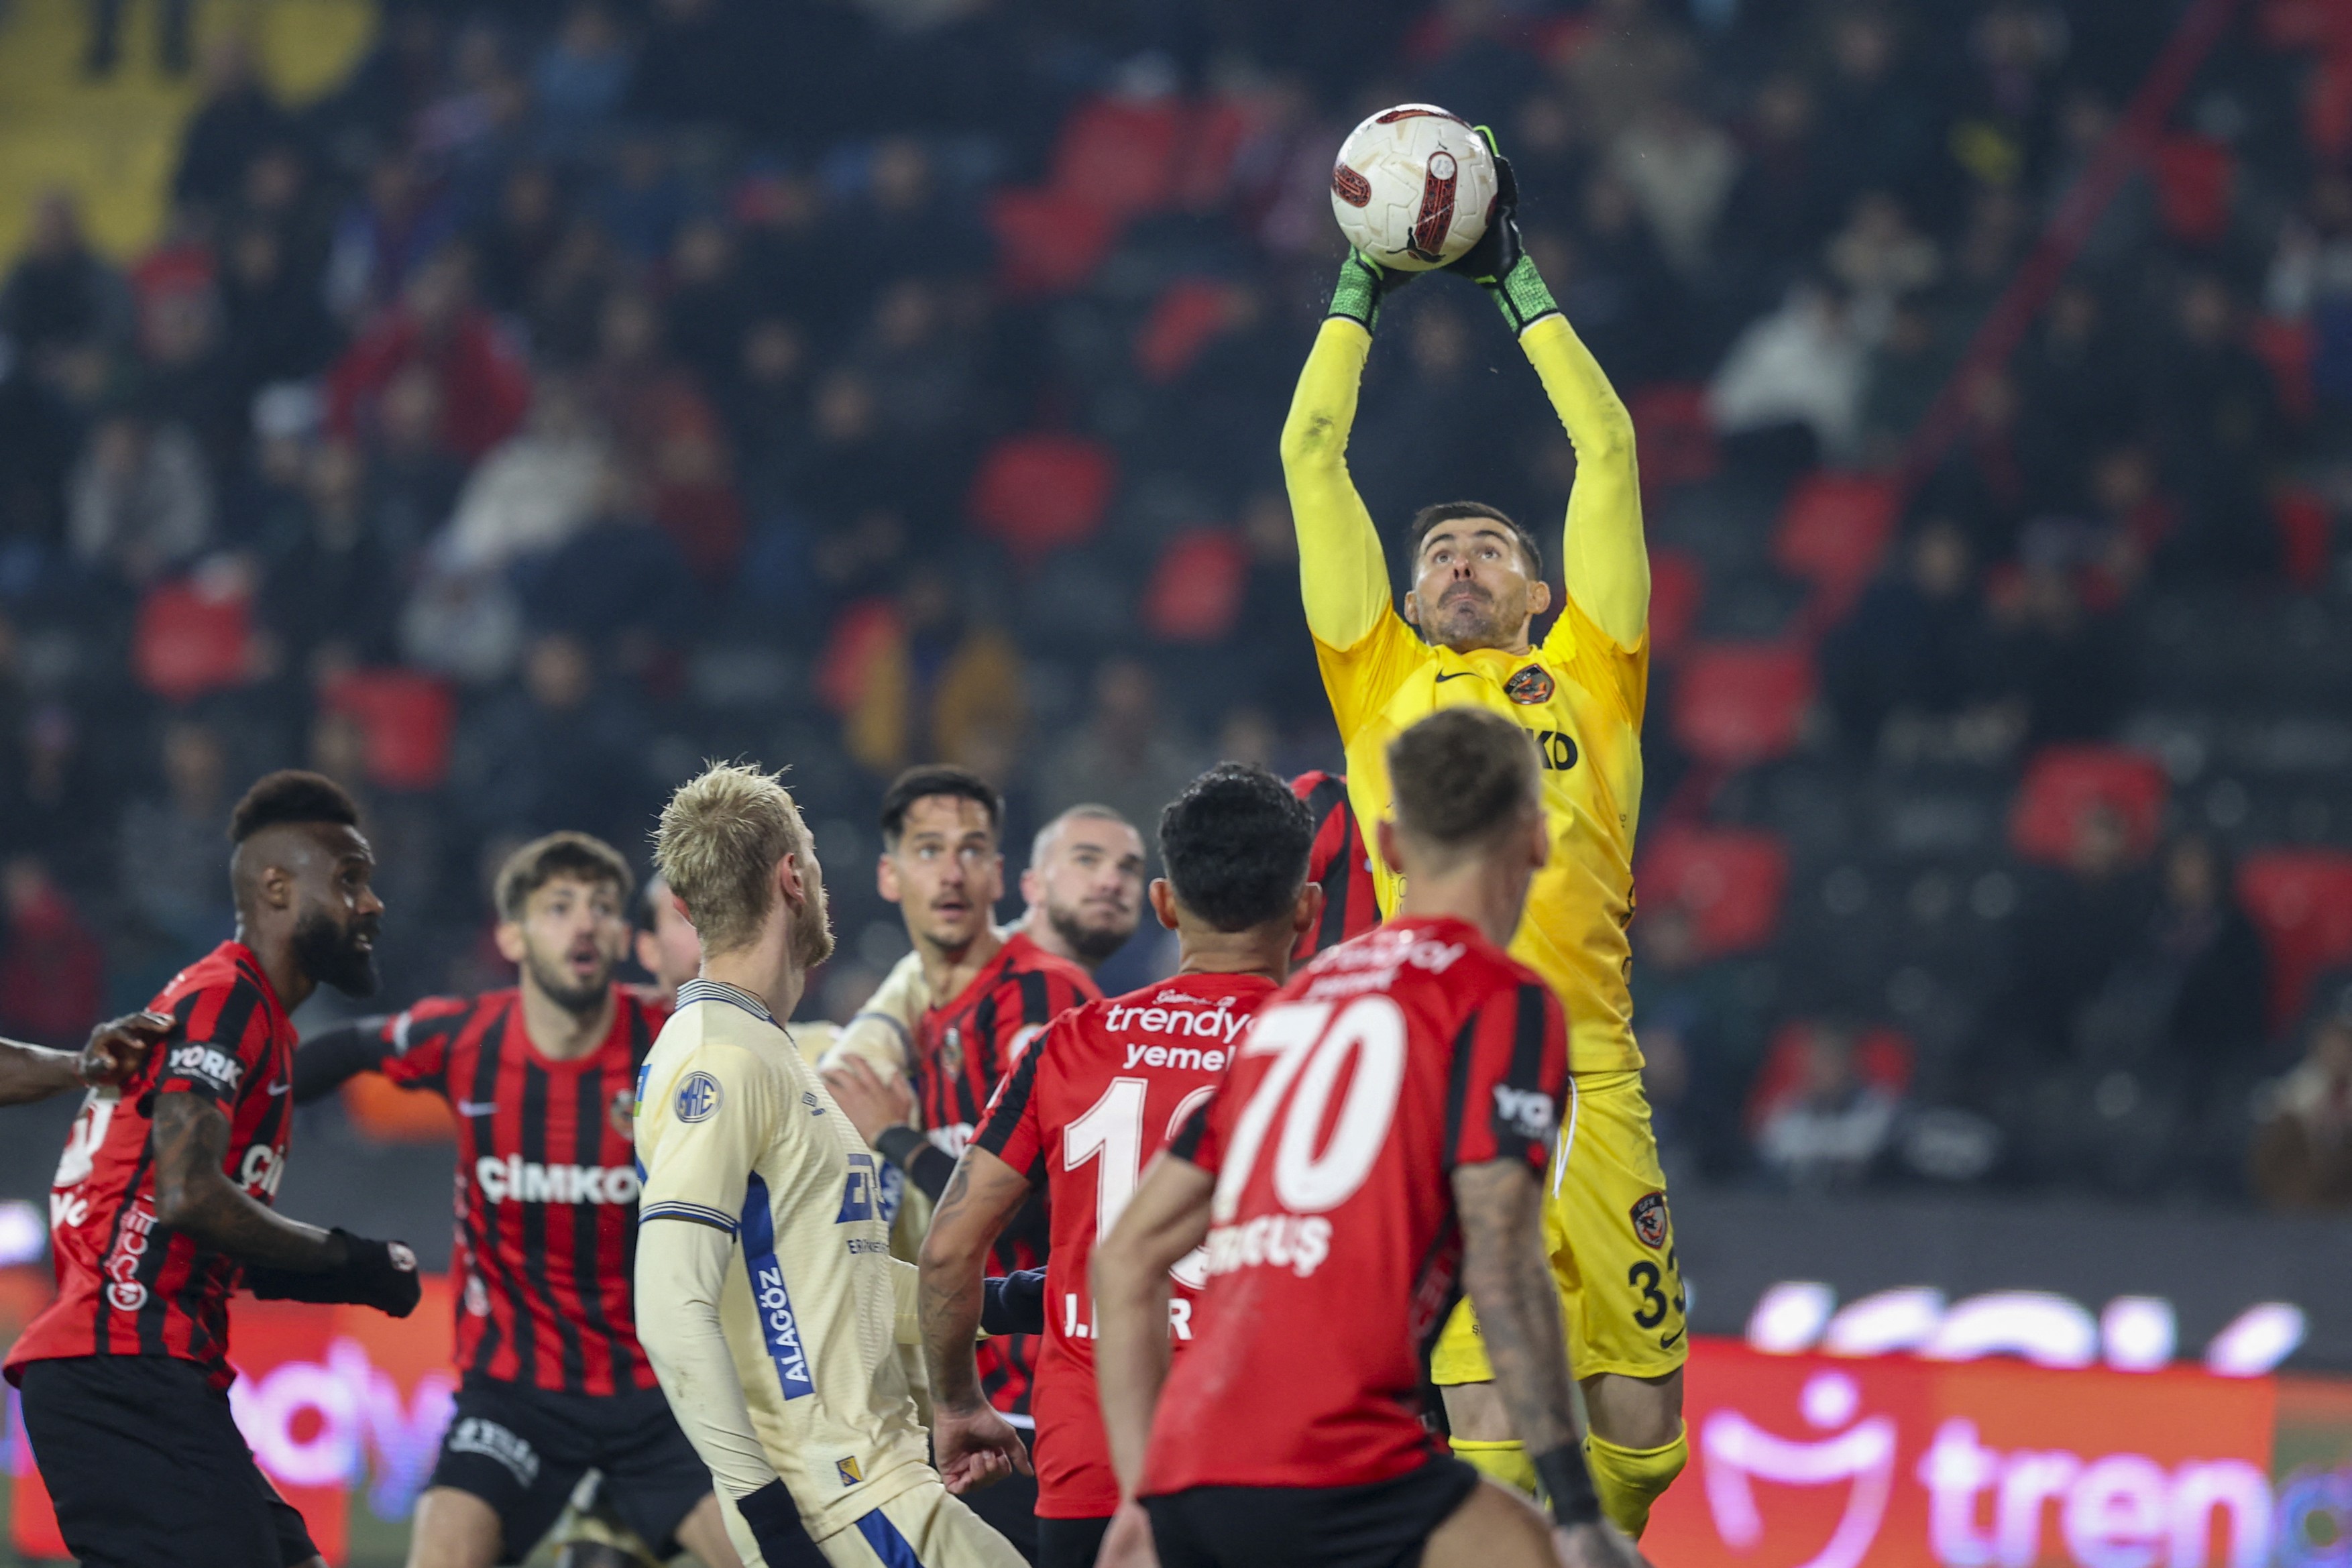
[[1579, 693]]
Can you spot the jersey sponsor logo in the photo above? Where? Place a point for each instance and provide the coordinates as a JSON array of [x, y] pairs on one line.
[[1555, 751], [698, 1097], [1528, 1112], [1184, 1058], [261, 1172], [1649, 1216], [213, 1068], [777, 1327], [516, 1180], [1200, 1020], [857, 1194], [1530, 686], [477, 1108], [1372, 961], [124, 1293], [68, 1210], [82, 1144], [1295, 1242], [473, 1434]]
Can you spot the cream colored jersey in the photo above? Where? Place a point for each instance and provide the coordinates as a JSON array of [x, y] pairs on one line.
[[737, 1133]]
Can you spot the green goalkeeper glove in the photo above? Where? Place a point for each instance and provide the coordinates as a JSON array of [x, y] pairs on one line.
[[1498, 263], [1362, 284]]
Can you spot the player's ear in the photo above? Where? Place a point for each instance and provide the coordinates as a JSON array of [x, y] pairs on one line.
[[509, 936], [1032, 887], [679, 905], [646, 948], [1411, 610], [885, 877], [1384, 839], [1163, 901], [790, 882], [1307, 913], [1539, 596]]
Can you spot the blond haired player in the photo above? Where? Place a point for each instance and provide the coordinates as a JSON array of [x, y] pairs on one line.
[[1464, 638], [765, 1287]]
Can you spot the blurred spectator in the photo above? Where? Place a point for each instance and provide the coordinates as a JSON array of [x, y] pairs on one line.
[[1917, 641], [579, 80], [641, 202], [2065, 670], [322, 586], [921, 676], [485, 388], [561, 752], [2076, 926], [59, 296], [2302, 1148], [1799, 369], [512, 246], [391, 232], [710, 303], [1680, 168], [170, 846], [533, 492], [236, 120], [1127, 755], [1878, 257], [1696, 1032], [1831, 1121], [2211, 978], [141, 499], [275, 325], [52, 968]]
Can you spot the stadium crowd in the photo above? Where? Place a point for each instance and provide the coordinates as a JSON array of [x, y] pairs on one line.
[[564, 399]]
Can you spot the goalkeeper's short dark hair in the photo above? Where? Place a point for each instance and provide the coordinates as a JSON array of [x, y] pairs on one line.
[[291, 796], [1236, 844], [931, 778], [1429, 517], [1461, 775]]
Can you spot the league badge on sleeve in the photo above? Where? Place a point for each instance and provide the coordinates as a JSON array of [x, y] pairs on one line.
[[697, 1098]]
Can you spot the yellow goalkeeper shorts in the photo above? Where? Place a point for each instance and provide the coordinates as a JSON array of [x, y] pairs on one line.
[[1612, 1242]]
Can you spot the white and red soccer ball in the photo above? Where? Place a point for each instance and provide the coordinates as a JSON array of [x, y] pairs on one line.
[[1413, 187]]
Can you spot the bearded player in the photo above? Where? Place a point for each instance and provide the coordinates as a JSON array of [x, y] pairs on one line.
[[1093, 1100], [541, 1079], [164, 1198], [1377, 1145], [1463, 638]]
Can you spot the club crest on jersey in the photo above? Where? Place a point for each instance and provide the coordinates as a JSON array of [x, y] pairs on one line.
[[698, 1098], [623, 1113], [1530, 686], [1650, 1219], [952, 1050]]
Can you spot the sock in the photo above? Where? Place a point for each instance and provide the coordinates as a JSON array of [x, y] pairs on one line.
[[1507, 1462], [1630, 1480]]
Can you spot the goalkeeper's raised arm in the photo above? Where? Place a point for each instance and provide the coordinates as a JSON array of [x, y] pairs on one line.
[[1341, 572]]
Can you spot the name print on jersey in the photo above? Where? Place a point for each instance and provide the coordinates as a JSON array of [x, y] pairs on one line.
[[517, 1180]]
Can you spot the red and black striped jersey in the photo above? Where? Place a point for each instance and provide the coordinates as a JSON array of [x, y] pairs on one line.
[[547, 1187], [963, 1048], [1338, 862], [127, 1285]]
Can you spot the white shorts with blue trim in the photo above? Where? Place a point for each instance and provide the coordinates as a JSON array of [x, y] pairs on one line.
[[923, 1527]]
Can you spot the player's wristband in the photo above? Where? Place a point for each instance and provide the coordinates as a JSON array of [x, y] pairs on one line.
[[1358, 292], [1568, 1487], [899, 1146], [1522, 296], [775, 1522]]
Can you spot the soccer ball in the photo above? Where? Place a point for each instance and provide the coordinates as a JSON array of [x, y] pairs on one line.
[[1412, 186]]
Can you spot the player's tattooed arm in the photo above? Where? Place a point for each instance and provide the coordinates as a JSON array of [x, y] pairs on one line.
[[1167, 1217], [973, 1445], [194, 1195], [1508, 1278], [117, 1049]]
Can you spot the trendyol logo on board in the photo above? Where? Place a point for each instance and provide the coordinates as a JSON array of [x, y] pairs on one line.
[[1988, 1505], [2133, 1333]]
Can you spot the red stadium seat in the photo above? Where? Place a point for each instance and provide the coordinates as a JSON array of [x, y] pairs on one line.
[[2196, 182], [193, 635], [1730, 879], [2284, 345], [407, 716], [1195, 592], [1120, 155], [1042, 492], [1741, 703], [1189, 315], [1673, 434], [1678, 587], [2062, 781], [2304, 526], [1832, 533], [2301, 899], [1883, 1058], [1049, 241]]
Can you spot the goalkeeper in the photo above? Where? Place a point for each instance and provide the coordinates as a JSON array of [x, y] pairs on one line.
[[1462, 637]]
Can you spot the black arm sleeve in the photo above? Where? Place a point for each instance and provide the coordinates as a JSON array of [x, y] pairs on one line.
[[1014, 1303], [924, 1162], [325, 1061]]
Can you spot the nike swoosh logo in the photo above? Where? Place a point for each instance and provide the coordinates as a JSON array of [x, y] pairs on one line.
[[1666, 1342], [476, 1107], [277, 1088], [1457, 675]]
